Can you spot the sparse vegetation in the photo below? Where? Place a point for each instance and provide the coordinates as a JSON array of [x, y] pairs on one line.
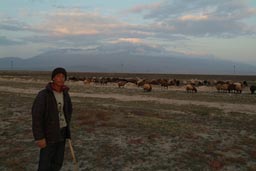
[[127, 129]]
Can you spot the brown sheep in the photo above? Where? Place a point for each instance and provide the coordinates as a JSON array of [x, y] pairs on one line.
[[238, 87], [218, 87], [164, 85], [121, 83], [231, 88], [103, 81], [141, 83], [191, 88], [252, 89], [154, 82], [147, 87], [87, 81], [235, 87], [132, 80], [222, 87]]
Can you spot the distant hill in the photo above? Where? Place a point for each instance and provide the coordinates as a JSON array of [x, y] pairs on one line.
[[125, 60]]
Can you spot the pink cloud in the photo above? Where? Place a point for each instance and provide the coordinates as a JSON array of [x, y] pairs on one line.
[[143, 7], [129, 40], [193, 17], [75, 22]]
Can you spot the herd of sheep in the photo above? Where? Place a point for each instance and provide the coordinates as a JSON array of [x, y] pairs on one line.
[[190, 85]]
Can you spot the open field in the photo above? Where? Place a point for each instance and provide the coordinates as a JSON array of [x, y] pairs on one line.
[[125, 129]]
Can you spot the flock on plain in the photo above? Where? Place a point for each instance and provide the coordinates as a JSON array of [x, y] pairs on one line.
[[190, 86]]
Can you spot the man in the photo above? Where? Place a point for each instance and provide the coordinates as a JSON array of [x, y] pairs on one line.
[[51, 115]]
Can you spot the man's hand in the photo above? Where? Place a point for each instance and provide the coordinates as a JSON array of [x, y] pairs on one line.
[[41, 143]]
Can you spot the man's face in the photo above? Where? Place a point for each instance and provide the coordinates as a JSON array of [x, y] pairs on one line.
[[59, 79]]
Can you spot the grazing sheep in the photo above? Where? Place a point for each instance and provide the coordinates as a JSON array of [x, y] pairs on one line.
[[206, 83], [218, 87], [200, 83], [222, 87], [87, 81], [73, 78], [121, 83], [219, 82], [103, 81], [164, 85], [141, 83], [231, 88], [132, 80], [245, 83], [238, 87], [153, 82], [191, 88], [171, 82], [252, 89], [147, 87], [177, 82]]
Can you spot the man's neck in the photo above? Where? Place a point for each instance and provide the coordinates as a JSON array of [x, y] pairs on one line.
[[57, 88]]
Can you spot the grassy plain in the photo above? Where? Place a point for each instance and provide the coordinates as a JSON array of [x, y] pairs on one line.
[[128, 129]]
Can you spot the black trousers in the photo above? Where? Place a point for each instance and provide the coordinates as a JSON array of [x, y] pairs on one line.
[[52, 156]]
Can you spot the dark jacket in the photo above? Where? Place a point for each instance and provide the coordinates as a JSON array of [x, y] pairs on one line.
[[45, 118]]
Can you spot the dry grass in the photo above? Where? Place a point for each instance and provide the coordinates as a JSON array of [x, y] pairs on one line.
[[111, 134]]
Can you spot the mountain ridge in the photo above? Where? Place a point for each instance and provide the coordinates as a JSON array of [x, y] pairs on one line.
[[125, 61]]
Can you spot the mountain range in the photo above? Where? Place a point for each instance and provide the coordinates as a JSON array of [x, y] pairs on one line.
[[126, 58]]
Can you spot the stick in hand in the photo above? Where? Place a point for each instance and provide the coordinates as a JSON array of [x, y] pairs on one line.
[[73, 155]]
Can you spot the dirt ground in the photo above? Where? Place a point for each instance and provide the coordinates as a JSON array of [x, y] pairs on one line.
[[128, 129]]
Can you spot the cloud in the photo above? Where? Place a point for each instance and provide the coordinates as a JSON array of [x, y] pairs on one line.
[[18, 26], [76, 28], [130, 40], [175, 8], [76, 22], [6, 42], [144, 7], [42, 1], [11, 24], [165, 22], [205, 27], [203, 17], [79, 28], [193, 17]]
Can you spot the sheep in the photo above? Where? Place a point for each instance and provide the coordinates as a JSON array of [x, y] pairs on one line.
[[190, 88], [141, 83], [153, 82], [231, 87], [147, 87], [218, 87], [121, 83], [245, 83], [87, 81], [164, 84], [174, 82], [252, 89], [238, 87], [224, 87], [103, 81]]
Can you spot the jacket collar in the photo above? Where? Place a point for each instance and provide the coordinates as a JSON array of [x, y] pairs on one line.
[[50, 87]]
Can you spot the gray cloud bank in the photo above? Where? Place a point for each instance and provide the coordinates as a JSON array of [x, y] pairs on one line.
[[165, 21]]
